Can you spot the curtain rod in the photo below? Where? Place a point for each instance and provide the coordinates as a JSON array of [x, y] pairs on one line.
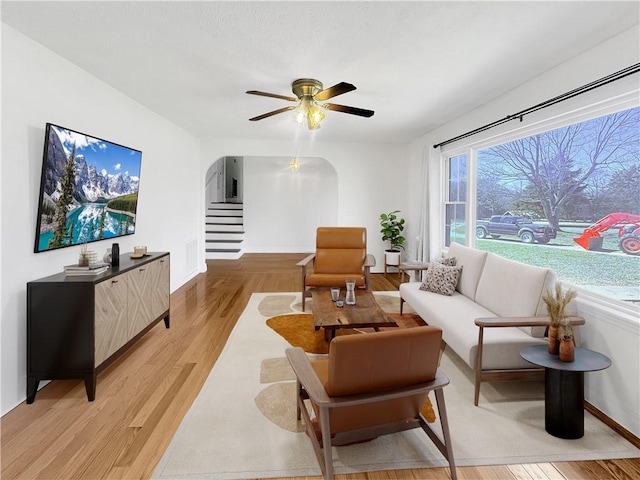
[[560, 98]]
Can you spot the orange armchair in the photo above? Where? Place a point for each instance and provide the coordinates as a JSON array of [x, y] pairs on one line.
[[341, 254], [371, 385]]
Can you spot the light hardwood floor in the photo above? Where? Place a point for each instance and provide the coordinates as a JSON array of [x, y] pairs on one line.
[[142, 397]]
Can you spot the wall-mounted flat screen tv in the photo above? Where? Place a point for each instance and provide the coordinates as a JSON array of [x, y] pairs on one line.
[[88, 189]]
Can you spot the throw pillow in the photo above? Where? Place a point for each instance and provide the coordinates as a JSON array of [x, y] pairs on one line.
[[441, 279], [449, 261]]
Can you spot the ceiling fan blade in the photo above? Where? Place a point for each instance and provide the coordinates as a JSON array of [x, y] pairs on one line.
[[275, 112], [272, 95], [337, 89], [352, 110]]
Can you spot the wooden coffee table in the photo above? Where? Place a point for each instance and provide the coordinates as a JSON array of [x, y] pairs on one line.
[[364, 314]]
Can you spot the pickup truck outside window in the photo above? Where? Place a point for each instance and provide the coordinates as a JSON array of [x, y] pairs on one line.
[[521, 227]]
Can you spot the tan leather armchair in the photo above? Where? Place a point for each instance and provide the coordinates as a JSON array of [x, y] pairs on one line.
[[371, 385], [341, 254]]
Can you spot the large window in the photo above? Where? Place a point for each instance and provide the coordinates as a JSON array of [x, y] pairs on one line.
[[456, 200], [566, 199]]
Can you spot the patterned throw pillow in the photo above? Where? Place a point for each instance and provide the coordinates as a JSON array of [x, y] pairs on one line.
[[449, 261], [441, 279]]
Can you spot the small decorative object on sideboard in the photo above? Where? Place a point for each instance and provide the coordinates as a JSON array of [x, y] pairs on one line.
[[139, 252], [557, 302], [115, 255], [107, 256], [83, 258]]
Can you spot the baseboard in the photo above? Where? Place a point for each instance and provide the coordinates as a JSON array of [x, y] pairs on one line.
[[615, 426]]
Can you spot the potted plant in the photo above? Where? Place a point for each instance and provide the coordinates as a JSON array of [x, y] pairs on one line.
[[392, 227]]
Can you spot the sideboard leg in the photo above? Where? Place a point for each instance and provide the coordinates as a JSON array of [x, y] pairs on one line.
[[32, 388], [90, 386], [166, 321]]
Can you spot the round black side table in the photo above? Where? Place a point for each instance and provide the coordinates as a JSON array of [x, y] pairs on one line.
[[564, 387]]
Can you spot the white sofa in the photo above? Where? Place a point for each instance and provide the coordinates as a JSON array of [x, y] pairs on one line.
[[497, 305]]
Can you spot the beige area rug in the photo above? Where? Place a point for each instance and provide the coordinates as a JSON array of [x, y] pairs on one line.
[[242, 424]]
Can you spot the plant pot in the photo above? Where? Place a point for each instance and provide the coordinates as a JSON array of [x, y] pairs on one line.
[[392, 258]]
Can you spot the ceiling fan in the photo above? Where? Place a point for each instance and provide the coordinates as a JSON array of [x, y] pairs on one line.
[[309, 93]]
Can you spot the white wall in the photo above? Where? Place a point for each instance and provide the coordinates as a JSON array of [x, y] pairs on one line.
[[292, 204], [38, 87], [370, 180], [609, 330]]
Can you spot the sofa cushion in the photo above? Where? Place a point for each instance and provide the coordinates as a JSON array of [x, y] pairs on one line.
[[473, 262], [512, 289], [448, 261], [456, 315], [441, 279]]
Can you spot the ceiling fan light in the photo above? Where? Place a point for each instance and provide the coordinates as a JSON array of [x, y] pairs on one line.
[[302, 111], [315, 115]]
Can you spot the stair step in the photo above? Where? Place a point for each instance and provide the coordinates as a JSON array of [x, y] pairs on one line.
[[229, 206], [224, 229], [225, 213], [223, 255], [219, 221]]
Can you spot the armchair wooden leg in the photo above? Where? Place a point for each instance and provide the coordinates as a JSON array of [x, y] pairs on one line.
[[401, 304], [448, 446], [326, 444]]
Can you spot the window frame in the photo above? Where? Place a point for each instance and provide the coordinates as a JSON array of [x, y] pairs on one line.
[[553, 119], [445, 198]]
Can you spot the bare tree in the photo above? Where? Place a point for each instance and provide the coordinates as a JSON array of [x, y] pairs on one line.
[[559, 163], [493, 196]]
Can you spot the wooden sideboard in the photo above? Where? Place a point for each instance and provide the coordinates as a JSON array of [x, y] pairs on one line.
[[77, 325]]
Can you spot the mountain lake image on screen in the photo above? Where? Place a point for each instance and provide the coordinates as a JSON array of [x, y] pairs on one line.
[[88, 189]]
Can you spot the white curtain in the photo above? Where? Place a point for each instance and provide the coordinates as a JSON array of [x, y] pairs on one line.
[[422, 242]]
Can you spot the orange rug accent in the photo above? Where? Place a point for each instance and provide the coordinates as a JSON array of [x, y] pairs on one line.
[[298, 330]]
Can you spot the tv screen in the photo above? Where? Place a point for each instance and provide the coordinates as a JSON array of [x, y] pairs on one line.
[[88, 189]]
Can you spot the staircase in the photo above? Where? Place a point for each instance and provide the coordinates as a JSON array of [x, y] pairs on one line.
[[224, 231]]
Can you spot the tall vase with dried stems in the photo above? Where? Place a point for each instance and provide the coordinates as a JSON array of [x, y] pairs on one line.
[[557, 302]]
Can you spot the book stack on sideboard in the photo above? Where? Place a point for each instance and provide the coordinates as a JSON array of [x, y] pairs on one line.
[[91, 270]]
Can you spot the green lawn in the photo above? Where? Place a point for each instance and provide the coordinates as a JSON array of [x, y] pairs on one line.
[[572, 264]]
